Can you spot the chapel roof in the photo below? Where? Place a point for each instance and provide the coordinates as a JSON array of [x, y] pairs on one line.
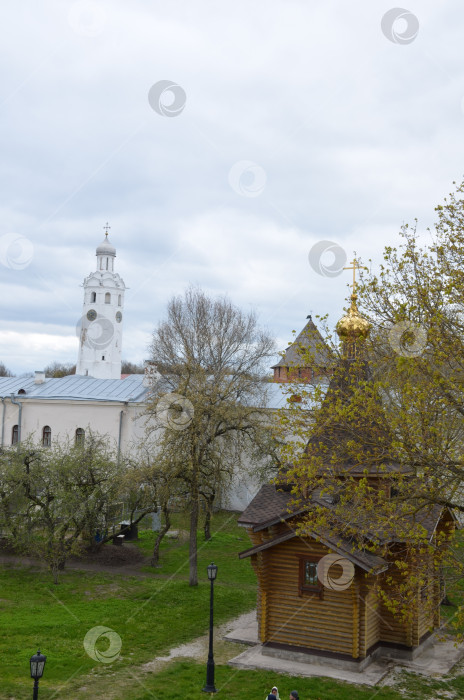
[[271, 506]]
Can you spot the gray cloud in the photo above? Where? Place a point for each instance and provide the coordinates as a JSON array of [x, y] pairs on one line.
[[355, 134]]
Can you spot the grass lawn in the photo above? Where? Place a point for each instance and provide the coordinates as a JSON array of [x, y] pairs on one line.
[[151, 614], [185, 680]]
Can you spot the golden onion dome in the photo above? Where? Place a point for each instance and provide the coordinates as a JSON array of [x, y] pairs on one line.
[[353, 326]]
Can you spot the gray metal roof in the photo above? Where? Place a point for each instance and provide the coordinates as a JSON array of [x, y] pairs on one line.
[[77, 387], [80, 388]]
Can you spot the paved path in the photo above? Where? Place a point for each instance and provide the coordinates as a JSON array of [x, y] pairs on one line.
[[436, 660]]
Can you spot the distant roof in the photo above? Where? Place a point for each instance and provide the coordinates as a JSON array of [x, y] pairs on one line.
[[309, 339], [129, 388], [77, 387]]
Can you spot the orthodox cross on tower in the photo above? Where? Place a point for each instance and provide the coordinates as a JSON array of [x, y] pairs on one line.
[[106, 229], [355, 266]]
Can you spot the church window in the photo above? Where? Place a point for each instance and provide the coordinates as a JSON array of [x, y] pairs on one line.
[[101, 263], [106, 263], [80, 436], [119, 300], [15, 435], [107, 298], [93, 297], [308, 581], [22, 391], [103, 357], [46, 436]]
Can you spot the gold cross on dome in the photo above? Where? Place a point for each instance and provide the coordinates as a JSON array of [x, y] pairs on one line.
[[107, 228], [355, 266]]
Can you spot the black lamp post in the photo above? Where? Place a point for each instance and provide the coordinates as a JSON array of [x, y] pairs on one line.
[[209, 687], [37, 668]]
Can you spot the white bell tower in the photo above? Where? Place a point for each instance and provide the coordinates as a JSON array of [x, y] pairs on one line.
[[100, 328]]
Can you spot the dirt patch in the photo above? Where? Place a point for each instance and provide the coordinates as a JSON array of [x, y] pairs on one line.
[[110, 555]]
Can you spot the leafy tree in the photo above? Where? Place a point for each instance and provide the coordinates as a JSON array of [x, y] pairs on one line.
[[58, 369], [53, 500], [208, 360], [382, 450]]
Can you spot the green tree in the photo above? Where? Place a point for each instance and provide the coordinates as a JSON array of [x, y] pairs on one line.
[[53, 500], [59, 369], [208, 361], [380, 452]]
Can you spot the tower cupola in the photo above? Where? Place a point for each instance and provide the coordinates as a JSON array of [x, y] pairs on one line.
[[106, 254]]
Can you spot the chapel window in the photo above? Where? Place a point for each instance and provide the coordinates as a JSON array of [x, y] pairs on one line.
[[308, 580], [119, 300], [15, 435], [80, 436], [107, 298], [93, 297], [46, 436]]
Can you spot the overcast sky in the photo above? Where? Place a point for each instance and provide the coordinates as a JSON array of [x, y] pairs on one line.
[[290, 122]]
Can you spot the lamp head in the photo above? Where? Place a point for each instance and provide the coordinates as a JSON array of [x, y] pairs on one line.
[[37, 663], [212, 571]]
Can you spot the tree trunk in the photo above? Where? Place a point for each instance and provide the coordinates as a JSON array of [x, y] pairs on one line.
[[207, 524], [167, 524], [193, 573], [209, 500]]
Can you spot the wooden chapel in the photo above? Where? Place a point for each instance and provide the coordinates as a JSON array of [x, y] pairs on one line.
[[303, 612]]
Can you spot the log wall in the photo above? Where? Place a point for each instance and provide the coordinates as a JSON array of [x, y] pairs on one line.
[[329, 624]]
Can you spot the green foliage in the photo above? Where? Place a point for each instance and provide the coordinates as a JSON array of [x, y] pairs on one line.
[[53, 500], [58, 369], [383, 445]]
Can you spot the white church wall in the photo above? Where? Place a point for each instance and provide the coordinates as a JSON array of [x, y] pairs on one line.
[[64, 417]]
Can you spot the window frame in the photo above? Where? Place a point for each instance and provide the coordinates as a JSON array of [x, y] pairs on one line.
[[48, 442], [79, 437], [305, 589], [15, 435]]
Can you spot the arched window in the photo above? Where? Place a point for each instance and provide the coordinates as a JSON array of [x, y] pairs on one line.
[[15, 435], [93, 297], [119, 300], [106, 263], [22, 391], [80, 436], [46, 436], [107, 298]]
